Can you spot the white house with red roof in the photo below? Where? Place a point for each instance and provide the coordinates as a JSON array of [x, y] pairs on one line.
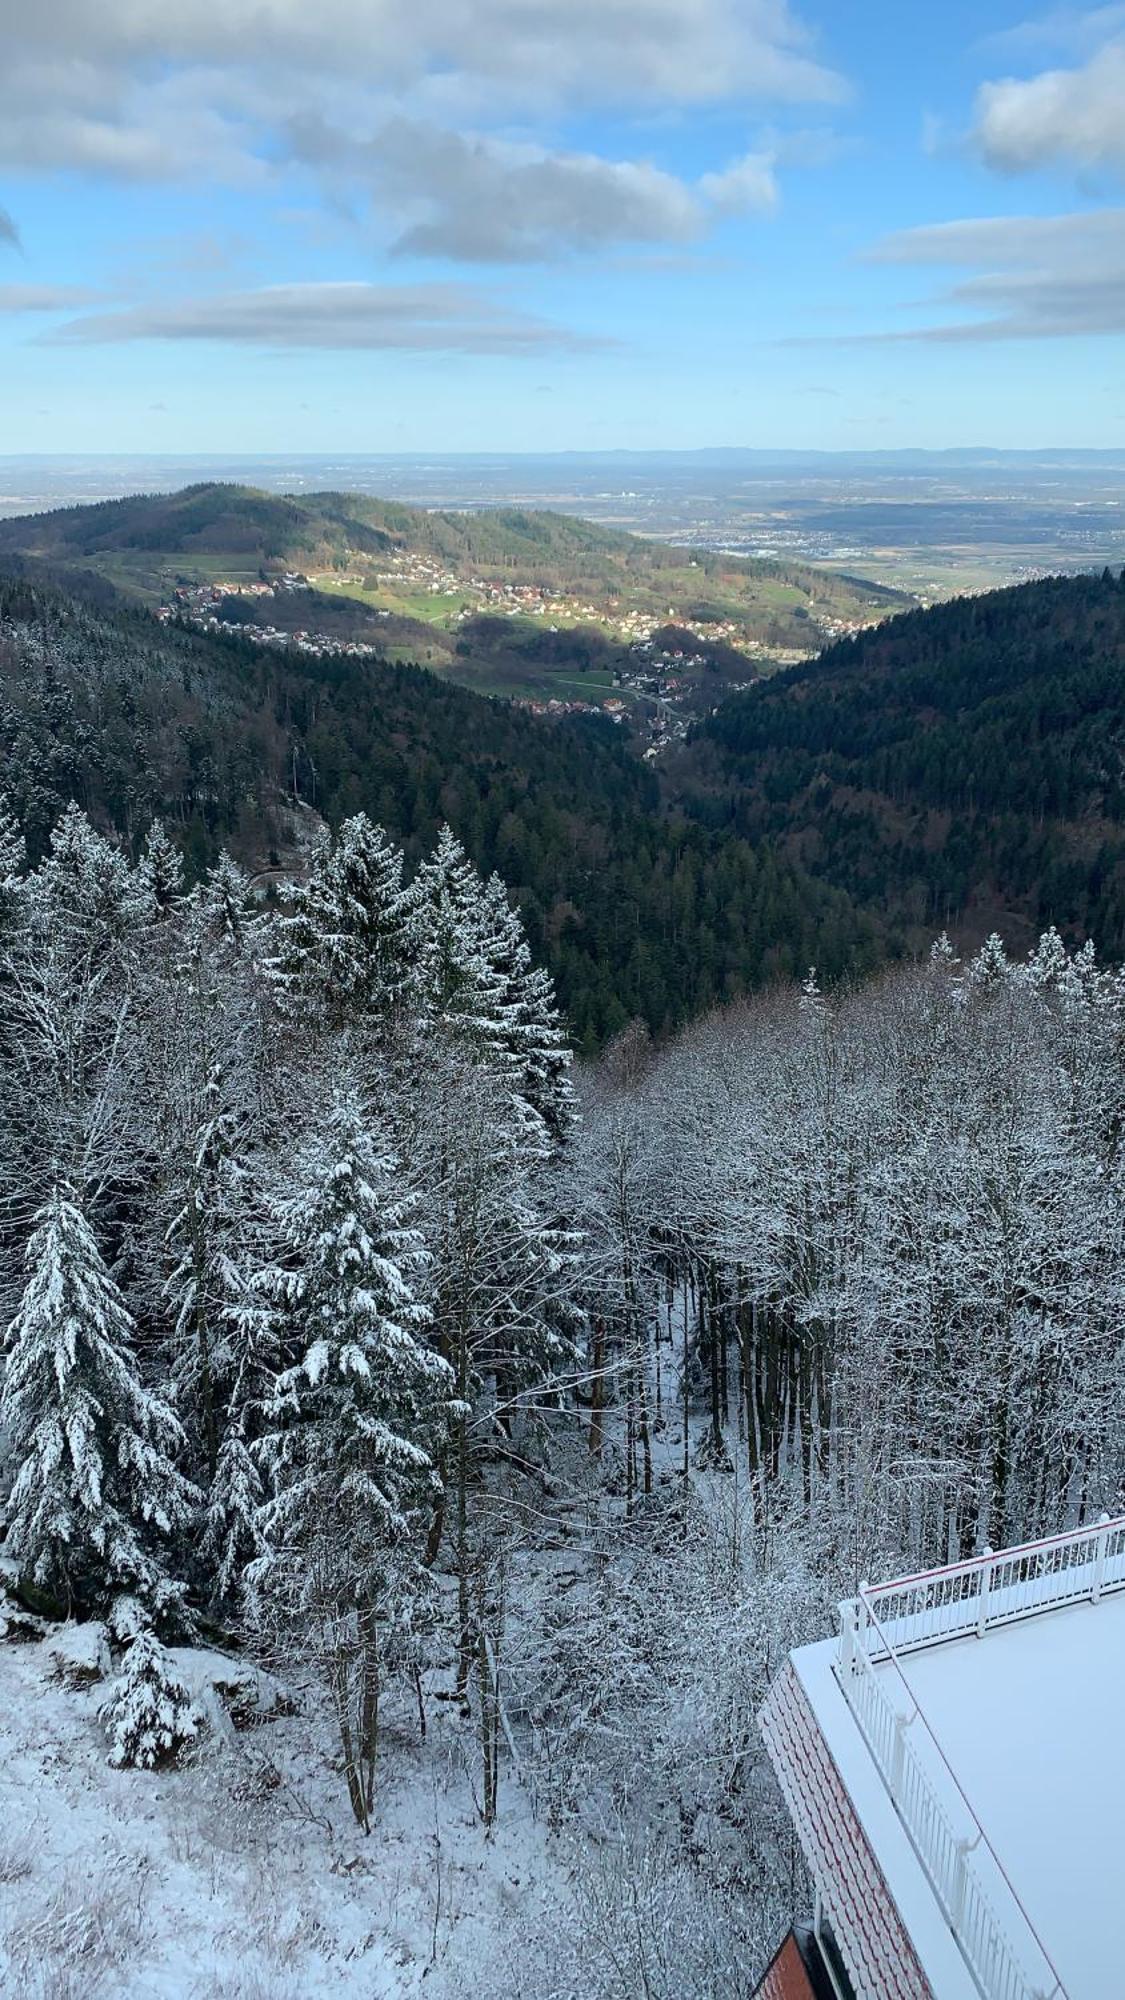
[[954, 1763]]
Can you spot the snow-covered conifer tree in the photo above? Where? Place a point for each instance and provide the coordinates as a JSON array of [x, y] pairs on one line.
[[96, 1496], [346, 947], [13, 860], [86, 885], [161, 870], [68, 980], [463, 978], [530, 1023], [148, 1712], [225, 906], [202, 1058], [990, 968], [357, 1419]]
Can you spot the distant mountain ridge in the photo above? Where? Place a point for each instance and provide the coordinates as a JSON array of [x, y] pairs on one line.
[[213, 518]]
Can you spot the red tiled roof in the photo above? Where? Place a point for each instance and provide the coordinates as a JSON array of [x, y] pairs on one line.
[[786, 1977], [860, 1908]]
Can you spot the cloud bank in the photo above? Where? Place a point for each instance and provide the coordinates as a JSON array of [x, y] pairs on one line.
[[135, 91], [448, 319], [481, 200], [1033, 277]]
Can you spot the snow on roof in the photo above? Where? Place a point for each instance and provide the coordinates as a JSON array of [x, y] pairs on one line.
[[974, 1717], [1029, 1718]]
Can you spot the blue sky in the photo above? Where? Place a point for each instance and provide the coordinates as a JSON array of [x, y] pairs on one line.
[[255, 225]]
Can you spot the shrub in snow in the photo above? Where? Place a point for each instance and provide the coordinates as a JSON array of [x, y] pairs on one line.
[[149, 1713]]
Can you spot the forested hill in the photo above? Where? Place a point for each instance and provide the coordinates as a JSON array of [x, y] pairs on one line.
[[636, 912], [962, 766], [440, 567], [219, 520], [226, 520]]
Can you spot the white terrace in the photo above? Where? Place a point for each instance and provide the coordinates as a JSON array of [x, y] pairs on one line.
[[983, 1704]]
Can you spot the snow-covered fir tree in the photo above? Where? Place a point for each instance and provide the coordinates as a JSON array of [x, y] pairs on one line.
[[161, 871], [358, 1418], [347, 945], [97, 1499], [530, 1024], [463, 977], [148, 1713]]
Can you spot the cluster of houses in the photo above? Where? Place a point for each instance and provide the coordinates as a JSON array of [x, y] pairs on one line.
[[202, 607]]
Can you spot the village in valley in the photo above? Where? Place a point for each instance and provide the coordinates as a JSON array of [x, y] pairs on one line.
[[668, 671]]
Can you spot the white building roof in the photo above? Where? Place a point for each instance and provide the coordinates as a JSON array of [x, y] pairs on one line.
[[1031, 1718], [976, 1717]]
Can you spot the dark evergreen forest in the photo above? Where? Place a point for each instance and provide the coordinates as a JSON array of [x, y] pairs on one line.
[[639, 910], [958, 767]]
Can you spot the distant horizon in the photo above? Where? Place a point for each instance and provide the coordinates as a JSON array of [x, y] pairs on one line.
[[762, 453]]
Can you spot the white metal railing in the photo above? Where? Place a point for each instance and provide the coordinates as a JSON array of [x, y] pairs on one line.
[[992, 1589], [994, 1933]]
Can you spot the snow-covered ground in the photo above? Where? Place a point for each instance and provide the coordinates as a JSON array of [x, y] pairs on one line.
[[240, 1876]]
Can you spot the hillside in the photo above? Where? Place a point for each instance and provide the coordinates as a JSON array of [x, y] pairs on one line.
[[962, 766], [434, 574], [637, 911]]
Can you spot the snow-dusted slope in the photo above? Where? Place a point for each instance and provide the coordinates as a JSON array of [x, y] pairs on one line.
[[240, 1876]]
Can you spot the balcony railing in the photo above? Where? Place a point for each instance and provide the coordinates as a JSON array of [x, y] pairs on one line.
[[996, 1937], [990, 1589]]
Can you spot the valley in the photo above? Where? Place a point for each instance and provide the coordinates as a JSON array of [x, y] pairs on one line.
[[538, 607]]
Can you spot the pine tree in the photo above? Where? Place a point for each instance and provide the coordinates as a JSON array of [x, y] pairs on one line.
[[990, 968], [148, 1713], [346, 947], [236, 1494], [96, 1494], [68, 977], [13, 860], [85, 886], [463, 980], [358, 1417], [202, 1057], [161, 871], [531, 1026], [225, 909]]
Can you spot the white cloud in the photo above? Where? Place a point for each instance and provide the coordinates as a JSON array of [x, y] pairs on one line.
[[747, 187], [554, 50], [416, 116], [140, 91], [484, 200], [426, 318], [1072, 115], [1073, 30], [1033, 277], [43, 298]]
